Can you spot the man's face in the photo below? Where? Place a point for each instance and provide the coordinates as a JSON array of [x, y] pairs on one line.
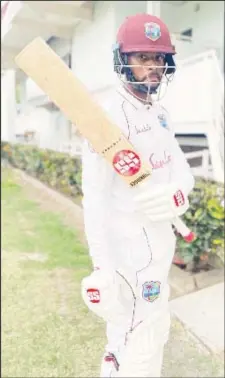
[[150, 66]]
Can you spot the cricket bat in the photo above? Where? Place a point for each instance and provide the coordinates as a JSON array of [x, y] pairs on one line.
[[52, 75]]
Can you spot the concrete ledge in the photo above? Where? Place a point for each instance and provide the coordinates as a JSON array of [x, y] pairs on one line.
[[202, 313], [182, 282], [210, 278]]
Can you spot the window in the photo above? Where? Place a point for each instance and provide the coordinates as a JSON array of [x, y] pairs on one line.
[[187, 33], [67, 59]]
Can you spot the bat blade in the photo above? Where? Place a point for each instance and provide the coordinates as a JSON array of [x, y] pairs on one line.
[[53, 76]]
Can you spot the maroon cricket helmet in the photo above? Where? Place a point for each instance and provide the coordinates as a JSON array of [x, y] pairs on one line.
[[144, 33]]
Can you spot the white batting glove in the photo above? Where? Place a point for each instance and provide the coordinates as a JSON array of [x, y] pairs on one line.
[[162, 203], [101, 293]]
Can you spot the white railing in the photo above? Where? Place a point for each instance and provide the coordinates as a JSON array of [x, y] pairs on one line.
[[27, 138], [197, 58], [204, 170], [70, 148], [218, 104], [216, 131], [195, 101]]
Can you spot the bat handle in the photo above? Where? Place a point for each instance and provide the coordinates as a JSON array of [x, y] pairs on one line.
[[183, 230]]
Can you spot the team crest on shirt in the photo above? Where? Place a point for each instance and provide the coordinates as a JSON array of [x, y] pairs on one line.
[[162, 120], [152, 31], [151, 291]]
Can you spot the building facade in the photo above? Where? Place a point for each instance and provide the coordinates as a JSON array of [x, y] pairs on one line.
[[82, 33]]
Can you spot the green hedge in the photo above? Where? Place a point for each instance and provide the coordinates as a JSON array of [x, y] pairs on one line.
[[206, 218], [63, 172], [58, 170]]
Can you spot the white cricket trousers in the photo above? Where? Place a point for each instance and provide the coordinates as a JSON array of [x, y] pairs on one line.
[[146, 255], [148, 361]]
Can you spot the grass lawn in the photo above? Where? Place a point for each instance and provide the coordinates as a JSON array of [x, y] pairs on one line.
[[46, 329]]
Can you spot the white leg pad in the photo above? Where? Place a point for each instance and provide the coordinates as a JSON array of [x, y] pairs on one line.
[[143, 354]]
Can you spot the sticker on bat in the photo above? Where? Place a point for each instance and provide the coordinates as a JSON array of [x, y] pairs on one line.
[[126, 163], [111, 145]]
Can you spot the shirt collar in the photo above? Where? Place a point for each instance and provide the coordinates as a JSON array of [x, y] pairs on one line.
[[137, 104]]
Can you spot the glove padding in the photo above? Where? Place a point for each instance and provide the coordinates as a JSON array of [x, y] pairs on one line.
[[101, 293], [161, 203]]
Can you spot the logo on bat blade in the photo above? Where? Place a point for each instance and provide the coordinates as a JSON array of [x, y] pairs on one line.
[[126, 163]]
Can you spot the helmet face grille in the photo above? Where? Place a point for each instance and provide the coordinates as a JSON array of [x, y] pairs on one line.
[[127, 78]]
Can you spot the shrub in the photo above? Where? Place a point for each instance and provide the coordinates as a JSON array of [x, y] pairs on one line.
[[206, 218], [58, 170]]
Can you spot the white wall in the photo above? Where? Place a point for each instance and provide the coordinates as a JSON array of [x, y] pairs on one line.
[[4, 110], [92, 48], [35, 120], [189, 97], [127, 8], [92, 57], [207, 24], [51, 127], [8, 106], [33, 90]]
